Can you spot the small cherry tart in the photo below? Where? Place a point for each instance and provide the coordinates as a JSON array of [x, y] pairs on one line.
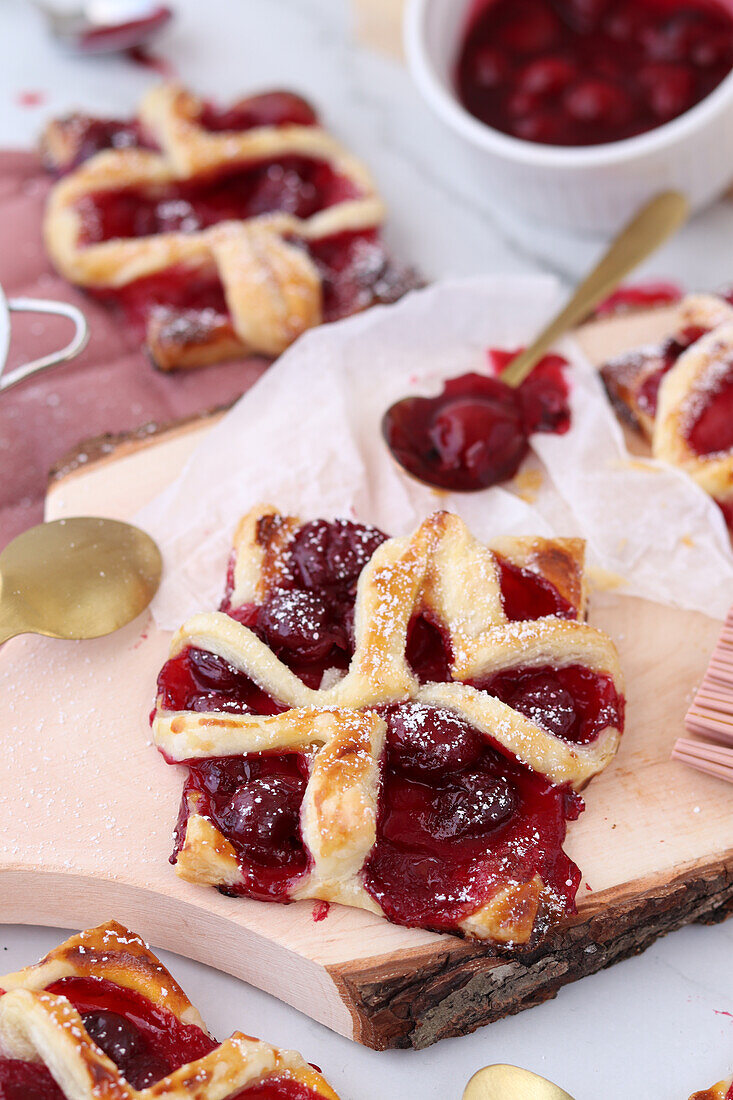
[[218, 232], [680, 395], [359, 724], [587, 72], [475, 433], [103, 1017]]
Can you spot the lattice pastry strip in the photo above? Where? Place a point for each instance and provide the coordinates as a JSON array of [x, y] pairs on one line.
[[272, 286], [40, 1026], [341, 728]]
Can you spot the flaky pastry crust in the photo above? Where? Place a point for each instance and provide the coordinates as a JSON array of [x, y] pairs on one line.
[[38, 1026], [681, 392]]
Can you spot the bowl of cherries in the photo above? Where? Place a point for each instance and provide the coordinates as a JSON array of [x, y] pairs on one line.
[[573, 112]]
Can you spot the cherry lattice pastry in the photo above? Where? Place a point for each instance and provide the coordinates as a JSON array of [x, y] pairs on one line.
[[722, 1091], [100, 1018], [220, 233], [680, 395], [395, 724]]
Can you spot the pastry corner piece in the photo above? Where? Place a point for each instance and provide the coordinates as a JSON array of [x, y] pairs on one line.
[[100, 1018], [218, 233], [397, 724], [722, 1091], [679, 395]]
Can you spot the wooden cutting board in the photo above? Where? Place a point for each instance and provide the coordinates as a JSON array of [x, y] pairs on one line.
[[88, 805]]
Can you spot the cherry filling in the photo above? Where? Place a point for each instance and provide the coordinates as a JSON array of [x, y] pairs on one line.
[[454, 812], [145, 1041], [455, 816], [527, 595], [254, 801], [646, 295], [476, 432], [711, 429], [293, 185], [586, 72], [572, 702]]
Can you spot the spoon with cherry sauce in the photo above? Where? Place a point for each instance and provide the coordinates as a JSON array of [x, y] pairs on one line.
[[104, 26], [511, 1083], [475, 433]]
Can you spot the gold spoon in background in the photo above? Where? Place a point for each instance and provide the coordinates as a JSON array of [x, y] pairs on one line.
[[648, 229], [76, 578], [511, 1083]]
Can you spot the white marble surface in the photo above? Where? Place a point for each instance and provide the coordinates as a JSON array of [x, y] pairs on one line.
[[657, 1026]]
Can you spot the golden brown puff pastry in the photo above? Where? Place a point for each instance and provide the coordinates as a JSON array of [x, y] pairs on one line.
[[722, 1091], [395, 724], [680, 395], [219, 233], [100, 1018]]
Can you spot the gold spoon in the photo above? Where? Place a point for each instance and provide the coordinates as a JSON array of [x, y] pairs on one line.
[[648, 229], [76, 578], [511, 1083]]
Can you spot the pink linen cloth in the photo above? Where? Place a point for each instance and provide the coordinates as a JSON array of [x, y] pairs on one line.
[[111, 387]]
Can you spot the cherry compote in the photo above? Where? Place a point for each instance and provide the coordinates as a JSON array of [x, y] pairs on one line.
[[475, 433], [457, 818], [588, 72], [570, 702]]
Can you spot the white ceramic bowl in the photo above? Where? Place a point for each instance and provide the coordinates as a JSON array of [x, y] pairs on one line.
[[590, 190]]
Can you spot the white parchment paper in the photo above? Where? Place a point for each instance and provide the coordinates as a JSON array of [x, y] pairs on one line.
[[306, 438]]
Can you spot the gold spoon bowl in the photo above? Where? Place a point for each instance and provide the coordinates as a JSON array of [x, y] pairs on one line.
[[76, 578], [511, 1083]]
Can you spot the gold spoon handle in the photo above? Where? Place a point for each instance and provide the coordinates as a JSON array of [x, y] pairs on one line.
[[646, 231]]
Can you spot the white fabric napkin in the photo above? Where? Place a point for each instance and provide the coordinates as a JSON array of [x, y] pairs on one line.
[[306, 438]]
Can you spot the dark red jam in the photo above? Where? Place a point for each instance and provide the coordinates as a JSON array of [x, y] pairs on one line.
[[455, 813], [710, 430], [587, 72], [475, 433], [571, 702], [647, 295], [292, 185], [145, 1041]]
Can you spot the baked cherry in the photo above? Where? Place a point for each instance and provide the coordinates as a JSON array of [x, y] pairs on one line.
[[332, 555], [277, 108], [711, 431], [264, 817], [585, 72], [479, 803], [547, 703], [297, 621], [127, 1047], [481, 437], [27, 1081], [426, 742]]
